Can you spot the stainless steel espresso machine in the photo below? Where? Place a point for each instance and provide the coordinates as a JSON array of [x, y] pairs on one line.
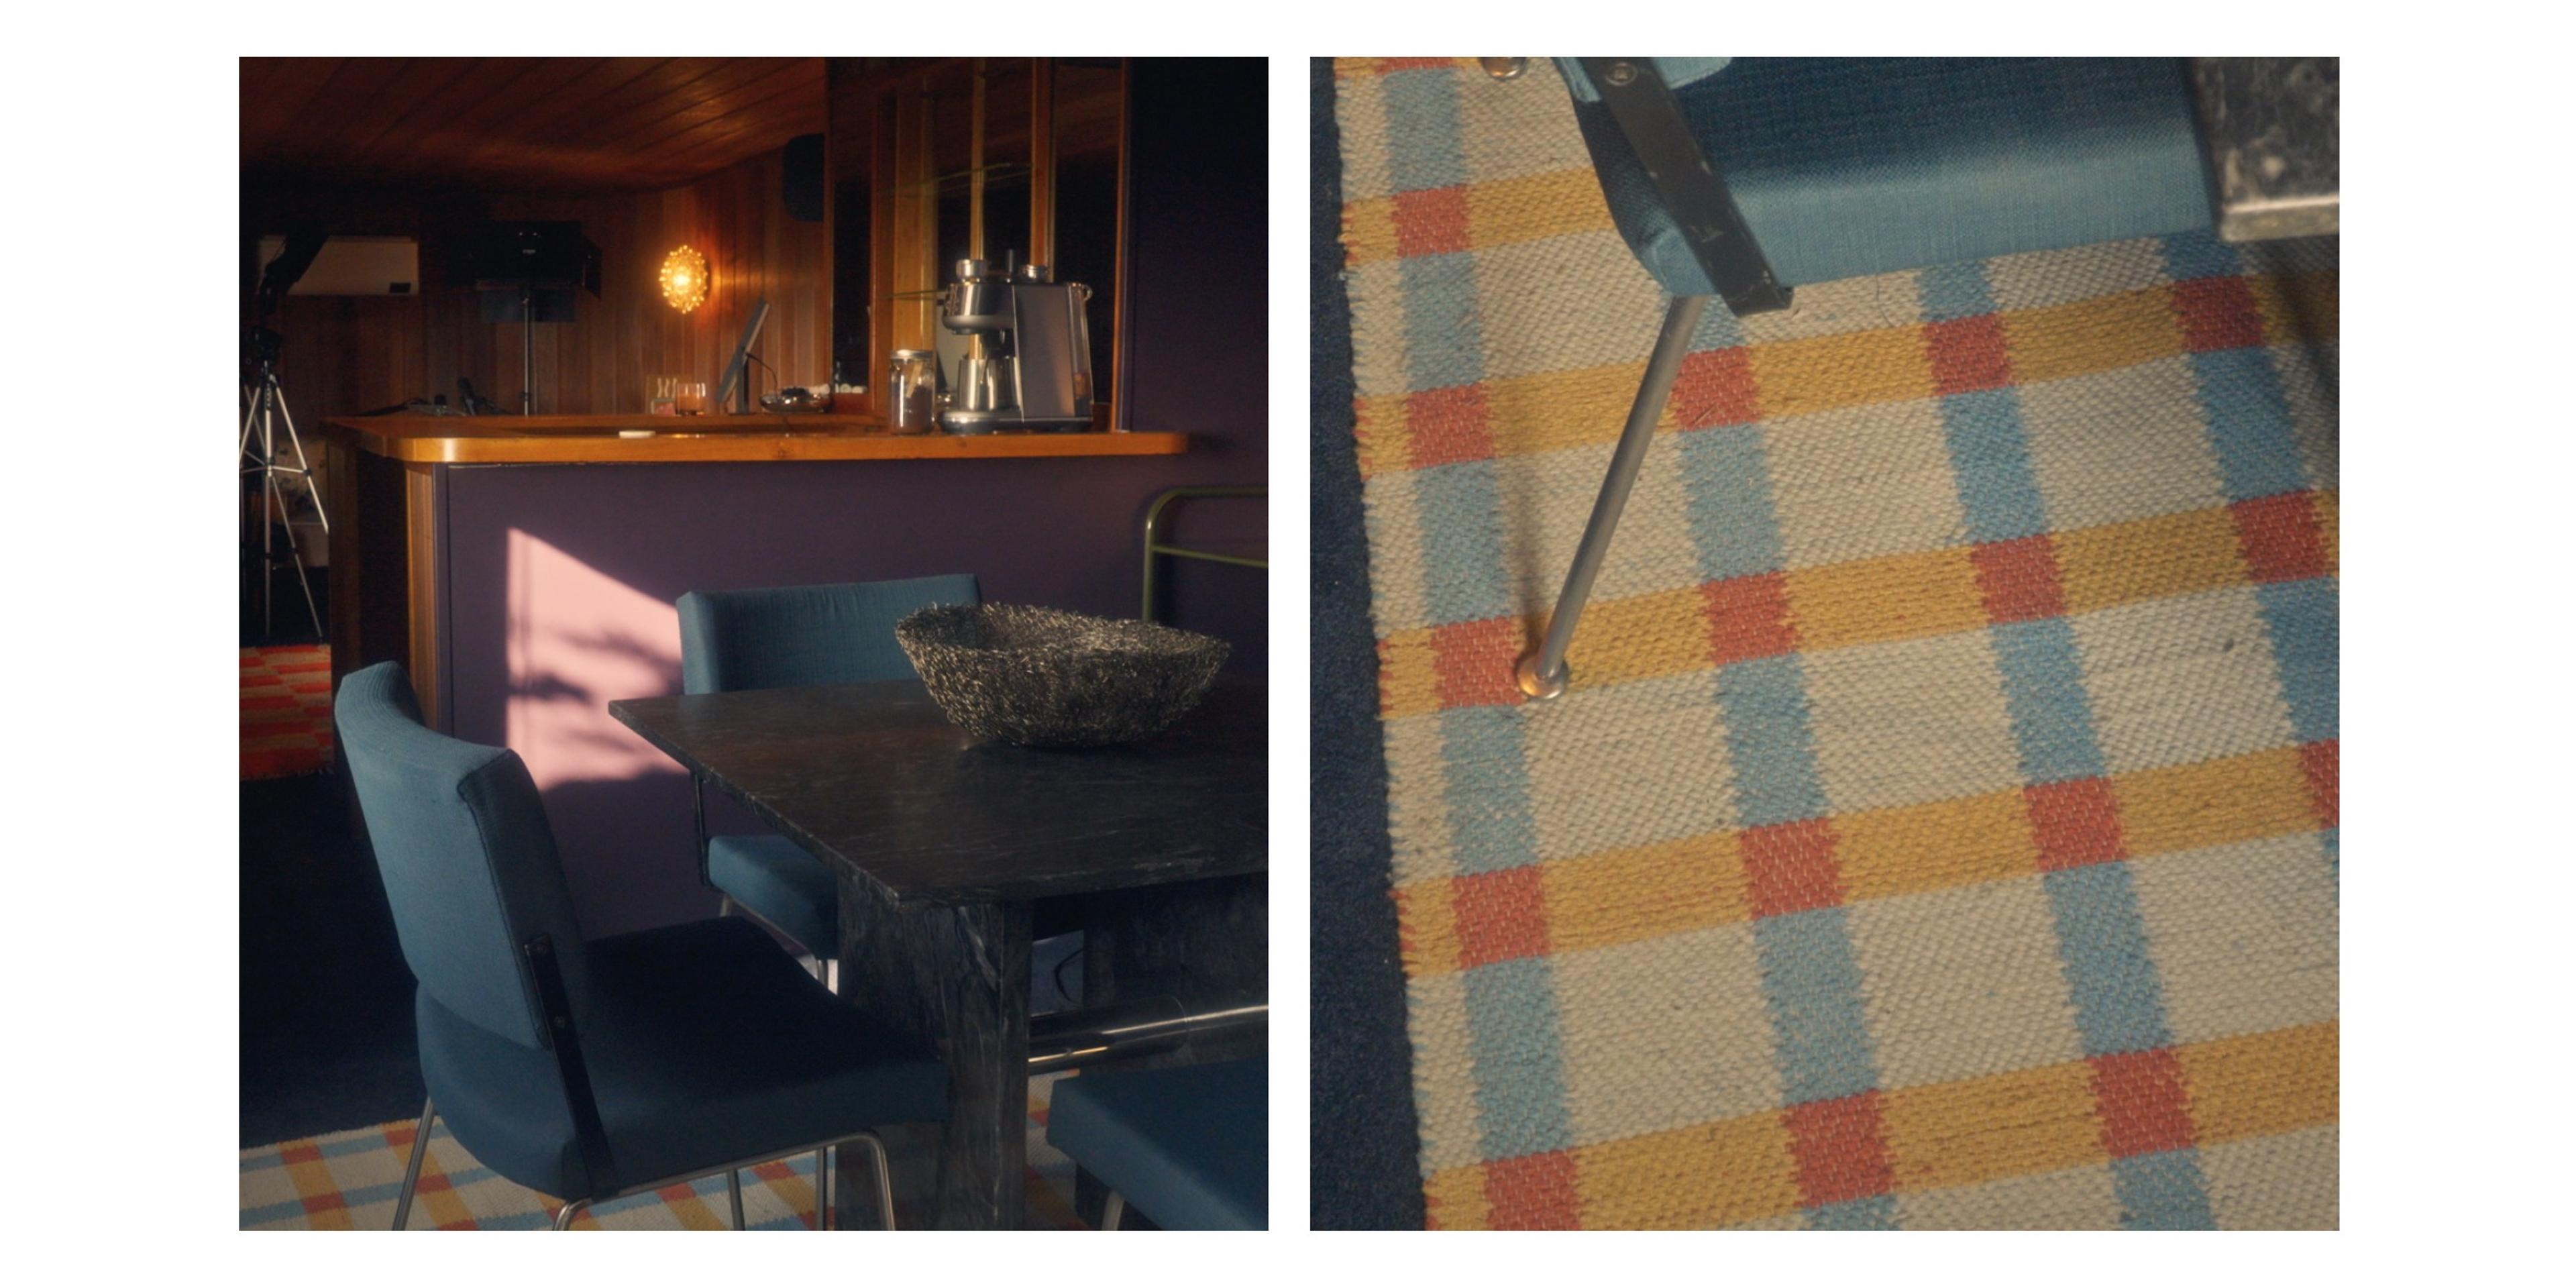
[[1027, 360]]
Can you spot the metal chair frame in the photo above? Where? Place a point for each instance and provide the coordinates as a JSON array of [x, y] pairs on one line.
[[1695, 196], [827, 958], [1156, 547], [591, 1137]]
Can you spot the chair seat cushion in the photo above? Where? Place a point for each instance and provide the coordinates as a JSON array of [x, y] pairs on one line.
[[706, 1044], [781, 884], [1847, 167], [1189, 1147]]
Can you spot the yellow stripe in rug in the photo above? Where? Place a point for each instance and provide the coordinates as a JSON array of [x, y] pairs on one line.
[[1621, 896], [1940, 1136], [313, 1182], [1547, 411], [443, 1203], [1878, 600]]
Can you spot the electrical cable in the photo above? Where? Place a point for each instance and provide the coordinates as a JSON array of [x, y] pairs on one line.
[[774, 378], [1058, 973]]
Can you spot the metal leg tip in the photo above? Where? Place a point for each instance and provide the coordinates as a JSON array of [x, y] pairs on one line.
[[1541, 687]]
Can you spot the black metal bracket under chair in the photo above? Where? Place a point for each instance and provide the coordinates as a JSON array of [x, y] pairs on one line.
[[1686, 180]]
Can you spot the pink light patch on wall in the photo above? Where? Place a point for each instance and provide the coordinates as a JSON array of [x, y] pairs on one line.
[[626, 644]]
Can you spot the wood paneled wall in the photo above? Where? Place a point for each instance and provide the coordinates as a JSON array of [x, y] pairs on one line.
[[355, 354]]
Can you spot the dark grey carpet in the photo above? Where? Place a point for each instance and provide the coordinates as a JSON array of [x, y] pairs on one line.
[[326, 1024], [1365, 1173]]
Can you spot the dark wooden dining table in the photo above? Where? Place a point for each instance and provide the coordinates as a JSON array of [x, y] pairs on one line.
[[948, 850]]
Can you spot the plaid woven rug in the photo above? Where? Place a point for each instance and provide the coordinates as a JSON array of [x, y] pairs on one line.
[[349, 1180], [1940, 830], [285, 710]]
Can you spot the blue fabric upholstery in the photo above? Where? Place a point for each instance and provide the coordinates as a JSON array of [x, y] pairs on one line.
[[787, 887], [705, 1044], [1845, 167], [783, 637], [1189, 1147], [468, 861], [786, 636]]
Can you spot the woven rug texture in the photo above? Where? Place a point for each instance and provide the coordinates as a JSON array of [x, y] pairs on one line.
[[1940, 830], [285, 710], [349, 1180]]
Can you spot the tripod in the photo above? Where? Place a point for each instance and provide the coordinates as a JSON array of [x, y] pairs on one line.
[[267, 413]]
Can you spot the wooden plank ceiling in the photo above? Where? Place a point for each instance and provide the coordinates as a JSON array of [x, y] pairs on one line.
[[522, 124]]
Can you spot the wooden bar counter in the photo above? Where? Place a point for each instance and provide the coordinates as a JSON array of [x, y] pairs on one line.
[[575, 440], [524, 570], [386, 597]]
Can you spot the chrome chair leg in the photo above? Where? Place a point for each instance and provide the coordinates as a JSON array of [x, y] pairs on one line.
[[885, 1175], [419, 1151], [1542, 673], [826, 1186], [1113, 1211], [825, 1209]]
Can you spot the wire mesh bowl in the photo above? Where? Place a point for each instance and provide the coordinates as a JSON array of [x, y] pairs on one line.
[[1043, 677]]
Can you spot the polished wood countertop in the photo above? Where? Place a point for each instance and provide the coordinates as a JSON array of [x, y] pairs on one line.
[[572, 440]]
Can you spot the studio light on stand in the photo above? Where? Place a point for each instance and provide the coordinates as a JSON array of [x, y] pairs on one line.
[[264, 416], [527, 273]]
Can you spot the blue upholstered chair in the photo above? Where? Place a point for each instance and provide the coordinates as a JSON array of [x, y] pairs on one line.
[[1746, 178], [1188, 1147], [778, 638], [590, 1069], [1848, 167]]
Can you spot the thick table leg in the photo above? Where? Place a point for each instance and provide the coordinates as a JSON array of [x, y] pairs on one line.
[[1204, 942], [959, 978]]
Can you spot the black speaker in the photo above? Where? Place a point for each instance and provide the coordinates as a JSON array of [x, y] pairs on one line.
[[536, 253], [801, 191]]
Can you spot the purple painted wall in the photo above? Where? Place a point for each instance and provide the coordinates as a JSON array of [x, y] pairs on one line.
[[562, 577]]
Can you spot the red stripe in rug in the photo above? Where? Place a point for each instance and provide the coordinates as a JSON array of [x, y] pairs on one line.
[[286, 729]]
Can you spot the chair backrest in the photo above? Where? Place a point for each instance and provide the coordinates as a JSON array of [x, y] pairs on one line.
[[787, 636], [468, 861]]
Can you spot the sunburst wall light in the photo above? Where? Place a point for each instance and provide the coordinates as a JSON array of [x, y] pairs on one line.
[[685, 278]]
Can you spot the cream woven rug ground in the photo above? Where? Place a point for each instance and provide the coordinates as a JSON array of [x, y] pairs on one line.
[[1941, 830]]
